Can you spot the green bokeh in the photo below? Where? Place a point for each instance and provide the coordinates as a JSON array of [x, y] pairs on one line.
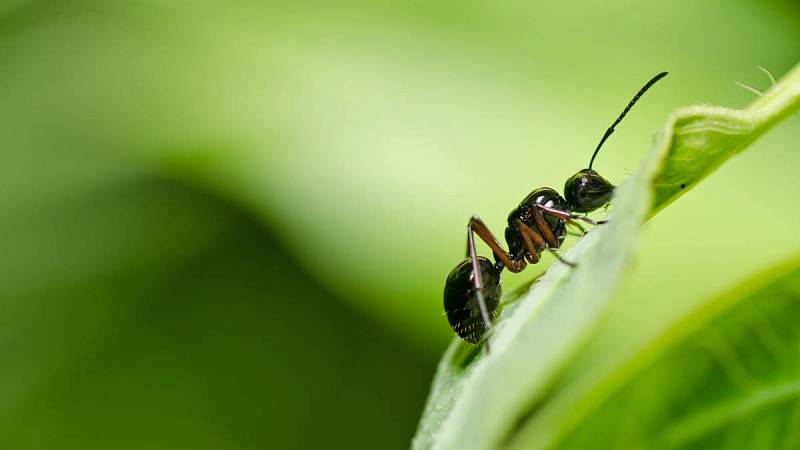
[[361, 135], [206, 335]]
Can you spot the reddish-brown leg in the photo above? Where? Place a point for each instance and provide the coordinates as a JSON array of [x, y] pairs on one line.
[[536, 237], [544, 228], [477, 225], [566, 215], [528, 238], [547, 233]]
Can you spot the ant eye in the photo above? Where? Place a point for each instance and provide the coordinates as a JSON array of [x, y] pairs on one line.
[[587, 190]]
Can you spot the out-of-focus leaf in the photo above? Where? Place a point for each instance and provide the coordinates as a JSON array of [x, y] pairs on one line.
[[141, 314], [478, 404], [73, 266]]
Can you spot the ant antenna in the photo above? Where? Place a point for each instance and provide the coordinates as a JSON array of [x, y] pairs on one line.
[[610, 129]]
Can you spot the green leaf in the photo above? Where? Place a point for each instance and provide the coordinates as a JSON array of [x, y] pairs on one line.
[[727, 375], [478, 401], [701, 138]]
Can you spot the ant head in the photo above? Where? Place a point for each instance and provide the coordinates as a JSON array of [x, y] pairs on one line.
[[587, 190]]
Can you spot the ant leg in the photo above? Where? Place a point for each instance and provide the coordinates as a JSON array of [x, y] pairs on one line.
[[566, 215], [477, 225], [474, 226], [542, 225], [477, 282], [528, 238], [578, 226], [528, 233], [560, 258]]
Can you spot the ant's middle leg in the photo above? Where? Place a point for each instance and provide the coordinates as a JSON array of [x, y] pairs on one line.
[[529, 236], [541, 224], [476, 224], [548, 235], [560, 258], [580, 227]]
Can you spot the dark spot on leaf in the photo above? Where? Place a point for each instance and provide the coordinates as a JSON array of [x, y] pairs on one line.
[[683, 185]]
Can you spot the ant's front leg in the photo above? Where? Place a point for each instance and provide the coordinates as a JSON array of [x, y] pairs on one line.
[[570, 216]]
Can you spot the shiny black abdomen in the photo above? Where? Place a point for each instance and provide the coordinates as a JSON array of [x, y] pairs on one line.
[[542, 196], [461, 299]]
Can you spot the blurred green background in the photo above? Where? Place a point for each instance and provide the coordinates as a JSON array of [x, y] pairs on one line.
[[227, 224]]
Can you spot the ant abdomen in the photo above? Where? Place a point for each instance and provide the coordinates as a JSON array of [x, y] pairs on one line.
[[461, 298]]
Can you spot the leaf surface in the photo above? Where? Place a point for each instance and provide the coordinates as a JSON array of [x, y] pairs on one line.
[[726, 375]]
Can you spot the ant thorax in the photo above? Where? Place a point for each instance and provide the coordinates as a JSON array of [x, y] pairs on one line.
[[525, 212]]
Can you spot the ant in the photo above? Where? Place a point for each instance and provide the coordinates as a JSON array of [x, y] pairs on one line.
[[472, 290]]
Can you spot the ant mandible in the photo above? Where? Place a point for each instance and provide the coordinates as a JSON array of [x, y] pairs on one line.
[[472, 290]]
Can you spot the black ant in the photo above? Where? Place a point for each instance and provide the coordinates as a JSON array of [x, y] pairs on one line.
[[472, 291]]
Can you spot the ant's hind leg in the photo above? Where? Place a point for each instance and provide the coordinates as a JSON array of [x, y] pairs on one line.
[[476, 226], [477, 281]]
